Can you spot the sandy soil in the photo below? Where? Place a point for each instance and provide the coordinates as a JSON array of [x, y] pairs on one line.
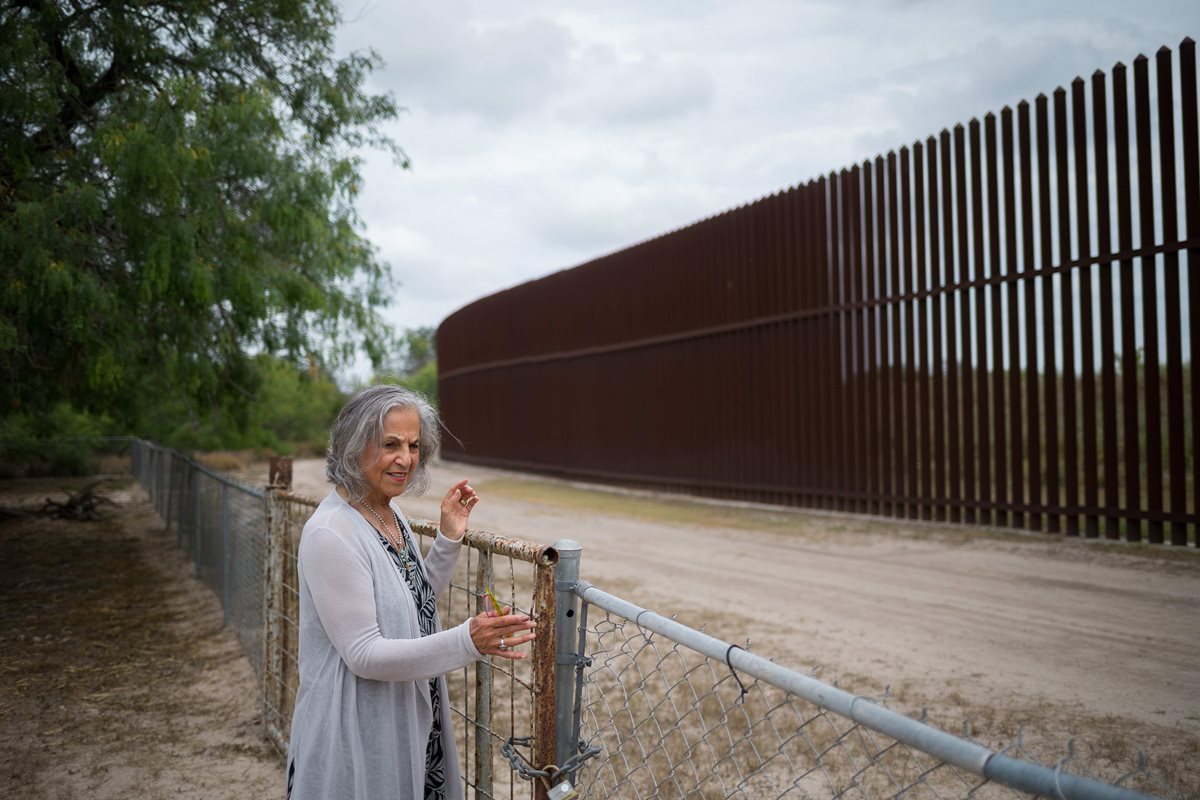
[[118, 679], [1066, 638]]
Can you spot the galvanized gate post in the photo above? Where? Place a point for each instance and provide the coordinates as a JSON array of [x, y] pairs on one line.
[[566, 627]]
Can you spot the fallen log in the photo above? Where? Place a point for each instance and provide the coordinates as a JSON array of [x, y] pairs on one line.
[[82, 505]]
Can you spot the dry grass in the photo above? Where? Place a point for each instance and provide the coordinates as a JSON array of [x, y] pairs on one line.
[[686, 511], [682, 511], [672, 725], [227, 460], [110, 464]]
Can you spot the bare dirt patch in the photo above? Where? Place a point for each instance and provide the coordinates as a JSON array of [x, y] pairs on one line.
[[119, 680]]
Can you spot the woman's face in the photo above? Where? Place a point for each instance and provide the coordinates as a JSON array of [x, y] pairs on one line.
[[388, 467]]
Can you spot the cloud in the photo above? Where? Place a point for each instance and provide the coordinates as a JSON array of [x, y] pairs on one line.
[[398, 241], [613, 88], [547, 133], [920, 98], [439, 58], [595, 214]]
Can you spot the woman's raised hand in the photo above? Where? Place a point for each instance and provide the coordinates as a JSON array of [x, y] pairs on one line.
[[500, 634], [456, 509]]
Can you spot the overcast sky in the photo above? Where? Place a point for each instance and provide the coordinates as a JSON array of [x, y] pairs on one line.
[[545, 134]]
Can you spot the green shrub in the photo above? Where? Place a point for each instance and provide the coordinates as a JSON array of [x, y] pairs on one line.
[[425, 381], [51, 443]]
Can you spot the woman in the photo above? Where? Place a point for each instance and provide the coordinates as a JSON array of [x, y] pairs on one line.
[[371, 717]]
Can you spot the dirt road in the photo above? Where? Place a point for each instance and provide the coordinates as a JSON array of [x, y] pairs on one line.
[[1067, 638]]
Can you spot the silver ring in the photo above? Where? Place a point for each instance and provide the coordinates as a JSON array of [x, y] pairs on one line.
[[503, 646]]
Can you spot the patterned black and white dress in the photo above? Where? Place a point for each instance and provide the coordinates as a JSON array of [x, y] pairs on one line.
[[426, 601]]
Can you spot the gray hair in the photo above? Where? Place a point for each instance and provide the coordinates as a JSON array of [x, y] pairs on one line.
[[359, 427]]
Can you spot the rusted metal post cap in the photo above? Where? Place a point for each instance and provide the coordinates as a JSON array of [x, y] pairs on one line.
[[280, 474]]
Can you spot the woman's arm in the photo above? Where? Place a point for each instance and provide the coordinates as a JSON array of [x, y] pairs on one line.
[[338, 576], [440, 561], [452, 526]]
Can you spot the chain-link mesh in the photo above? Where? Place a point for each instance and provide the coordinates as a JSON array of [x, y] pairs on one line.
[[673, 722], [222, 524]]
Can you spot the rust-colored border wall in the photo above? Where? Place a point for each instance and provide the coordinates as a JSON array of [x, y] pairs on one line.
[[993, 326]]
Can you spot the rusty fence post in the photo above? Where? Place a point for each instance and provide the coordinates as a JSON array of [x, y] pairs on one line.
[[280, 473], [545, 653], [274, 687], [483, 695]]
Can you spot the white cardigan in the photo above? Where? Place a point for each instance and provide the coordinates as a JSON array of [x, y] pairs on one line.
[[363, 715]]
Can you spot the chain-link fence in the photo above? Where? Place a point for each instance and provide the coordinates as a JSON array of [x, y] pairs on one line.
[[675, 713], [625, 704], [222, 524]]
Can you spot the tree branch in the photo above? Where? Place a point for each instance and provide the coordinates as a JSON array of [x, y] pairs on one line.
[[73, 109]]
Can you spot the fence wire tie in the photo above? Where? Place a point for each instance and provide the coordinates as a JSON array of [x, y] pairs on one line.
[[733, 672], [1140, 768], [638, 622], [1058, 768], [1016, 746]]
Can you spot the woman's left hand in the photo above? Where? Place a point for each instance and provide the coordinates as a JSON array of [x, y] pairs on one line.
[[456, 509], [500, 634]]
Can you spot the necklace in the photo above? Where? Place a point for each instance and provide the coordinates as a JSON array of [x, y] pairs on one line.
[[402, 551]]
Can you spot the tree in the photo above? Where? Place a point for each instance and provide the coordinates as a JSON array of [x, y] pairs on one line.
[[290, 412], [424, 380], [177, 181], [415, 366], [419, 348]]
